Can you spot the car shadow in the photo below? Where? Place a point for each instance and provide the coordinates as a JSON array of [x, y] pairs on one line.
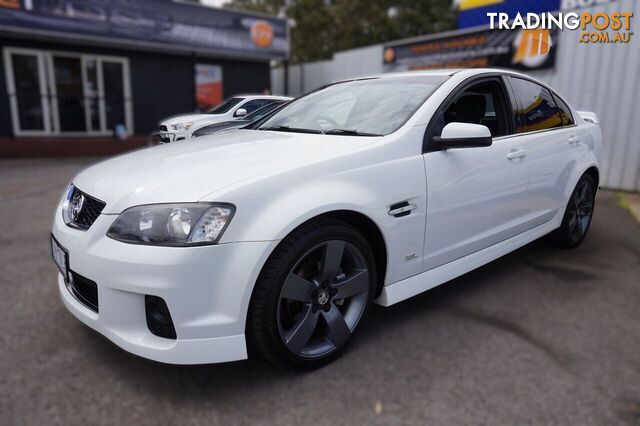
[[223, 380]]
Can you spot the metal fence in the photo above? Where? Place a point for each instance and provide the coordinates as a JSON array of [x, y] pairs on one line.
[[604, 78]]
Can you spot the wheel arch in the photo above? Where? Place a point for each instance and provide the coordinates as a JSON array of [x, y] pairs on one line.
[[370, 231], [364, 225], [595, 175]]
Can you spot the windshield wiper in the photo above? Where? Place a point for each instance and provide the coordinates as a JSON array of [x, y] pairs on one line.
[[281, 128], [349, 132]]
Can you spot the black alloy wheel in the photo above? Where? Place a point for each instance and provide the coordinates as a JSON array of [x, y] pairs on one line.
[[578, 214], [313, 293]]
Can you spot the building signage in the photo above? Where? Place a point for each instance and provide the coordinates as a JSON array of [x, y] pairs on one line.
[[165, 24], [473, 13], [208, 85], [523, 50]]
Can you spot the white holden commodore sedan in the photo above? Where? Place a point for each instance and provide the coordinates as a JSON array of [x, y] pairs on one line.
[[278, 238]]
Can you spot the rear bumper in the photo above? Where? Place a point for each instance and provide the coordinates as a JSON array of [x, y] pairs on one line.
[[207, 290]]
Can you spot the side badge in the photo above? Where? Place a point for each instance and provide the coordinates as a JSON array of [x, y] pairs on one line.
[[411, 257]]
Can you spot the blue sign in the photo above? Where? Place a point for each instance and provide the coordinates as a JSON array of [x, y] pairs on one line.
[[473, 13]]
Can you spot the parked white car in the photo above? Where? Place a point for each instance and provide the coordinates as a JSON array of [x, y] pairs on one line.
[[280, 237], [181, 127]]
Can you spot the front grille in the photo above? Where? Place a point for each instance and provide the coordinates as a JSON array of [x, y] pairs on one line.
[[85, 290], [91, 209], [164, 128]]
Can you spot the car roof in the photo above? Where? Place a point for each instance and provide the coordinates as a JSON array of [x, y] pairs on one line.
[[444, 72], [254, 96]]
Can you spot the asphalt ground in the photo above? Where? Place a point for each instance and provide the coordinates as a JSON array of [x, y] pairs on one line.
[[541, 336]]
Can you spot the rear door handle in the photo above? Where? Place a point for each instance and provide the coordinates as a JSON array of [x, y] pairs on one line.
[[516, 154], [574, 140]]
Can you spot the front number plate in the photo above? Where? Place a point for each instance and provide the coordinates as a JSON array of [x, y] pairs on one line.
[[60, 257]]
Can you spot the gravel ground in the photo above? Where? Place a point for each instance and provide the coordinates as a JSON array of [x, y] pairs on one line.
[[541, 336]]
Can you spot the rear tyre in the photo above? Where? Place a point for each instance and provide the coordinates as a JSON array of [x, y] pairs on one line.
[[313, 293], [578, 215]]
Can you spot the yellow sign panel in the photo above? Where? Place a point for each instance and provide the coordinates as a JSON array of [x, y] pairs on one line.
[[474, 4]]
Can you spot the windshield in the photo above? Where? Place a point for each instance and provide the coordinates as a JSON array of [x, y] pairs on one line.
[[368, 107], [259, 113], [225, 106]]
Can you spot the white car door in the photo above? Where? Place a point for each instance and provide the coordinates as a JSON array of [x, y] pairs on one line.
[[548, 131], [476, 197]]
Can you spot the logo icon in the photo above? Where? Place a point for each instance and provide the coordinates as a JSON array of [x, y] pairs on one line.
[[532, 47], [323, 298], [389, 55], [76, 205], [262, 34]]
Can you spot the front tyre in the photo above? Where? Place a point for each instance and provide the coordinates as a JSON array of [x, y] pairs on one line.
[[578, 214], [312, 294]]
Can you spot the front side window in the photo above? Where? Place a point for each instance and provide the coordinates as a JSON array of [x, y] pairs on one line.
[[538, 109], [226, 106], [375, 106], [262, 112], [254, 105], [483, 103]]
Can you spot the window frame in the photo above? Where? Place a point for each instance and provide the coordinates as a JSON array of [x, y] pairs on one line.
[[427, 145], [557, 97], [554, 95]]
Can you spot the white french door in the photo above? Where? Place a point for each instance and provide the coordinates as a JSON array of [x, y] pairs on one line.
[[27, 90], [60, 93]]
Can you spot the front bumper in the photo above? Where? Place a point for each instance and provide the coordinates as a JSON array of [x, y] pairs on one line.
[[207, 290], [166, 136]]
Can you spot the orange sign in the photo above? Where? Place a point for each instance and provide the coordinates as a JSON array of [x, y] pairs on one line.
[[262, 34], [533, 44], [11, 4]]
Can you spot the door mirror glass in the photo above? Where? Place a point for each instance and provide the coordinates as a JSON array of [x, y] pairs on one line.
[[464, 135], [241, 112]]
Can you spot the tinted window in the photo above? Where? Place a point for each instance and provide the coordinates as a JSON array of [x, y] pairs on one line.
[[259, 113], [226, 106], [254, 105], [565, 112], [374, 105], [483, 103], [539, 111]]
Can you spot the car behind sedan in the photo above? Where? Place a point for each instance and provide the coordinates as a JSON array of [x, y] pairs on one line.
[[281, 236], [181, 127], [239, 122]]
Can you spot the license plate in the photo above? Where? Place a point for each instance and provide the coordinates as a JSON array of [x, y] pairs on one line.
[[60, 257]]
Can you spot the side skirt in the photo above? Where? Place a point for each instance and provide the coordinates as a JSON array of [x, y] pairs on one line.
[[409, 287]]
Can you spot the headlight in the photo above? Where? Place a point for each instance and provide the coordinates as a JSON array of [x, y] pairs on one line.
[[181, 126], [172, 224]]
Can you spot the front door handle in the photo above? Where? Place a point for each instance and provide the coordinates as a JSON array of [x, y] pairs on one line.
[[574, 140], [516, 154]]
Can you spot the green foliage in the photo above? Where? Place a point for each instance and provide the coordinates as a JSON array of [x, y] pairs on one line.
[[323, 27]]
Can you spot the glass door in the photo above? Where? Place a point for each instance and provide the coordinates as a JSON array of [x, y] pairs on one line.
[[27, 90], [114, 96], [68, 90]]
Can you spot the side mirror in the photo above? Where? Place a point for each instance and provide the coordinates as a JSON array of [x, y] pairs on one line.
[[464, 135], [240, 112]]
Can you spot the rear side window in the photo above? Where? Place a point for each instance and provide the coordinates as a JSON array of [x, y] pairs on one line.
[[565, 112], [538, 110]]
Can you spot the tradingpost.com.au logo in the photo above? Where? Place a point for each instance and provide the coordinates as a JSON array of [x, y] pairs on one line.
[[594, 28]]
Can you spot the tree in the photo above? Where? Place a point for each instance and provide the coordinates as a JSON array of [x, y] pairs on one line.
[[323, 27]]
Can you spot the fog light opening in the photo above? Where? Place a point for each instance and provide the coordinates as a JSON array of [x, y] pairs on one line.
[[158, 317]]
